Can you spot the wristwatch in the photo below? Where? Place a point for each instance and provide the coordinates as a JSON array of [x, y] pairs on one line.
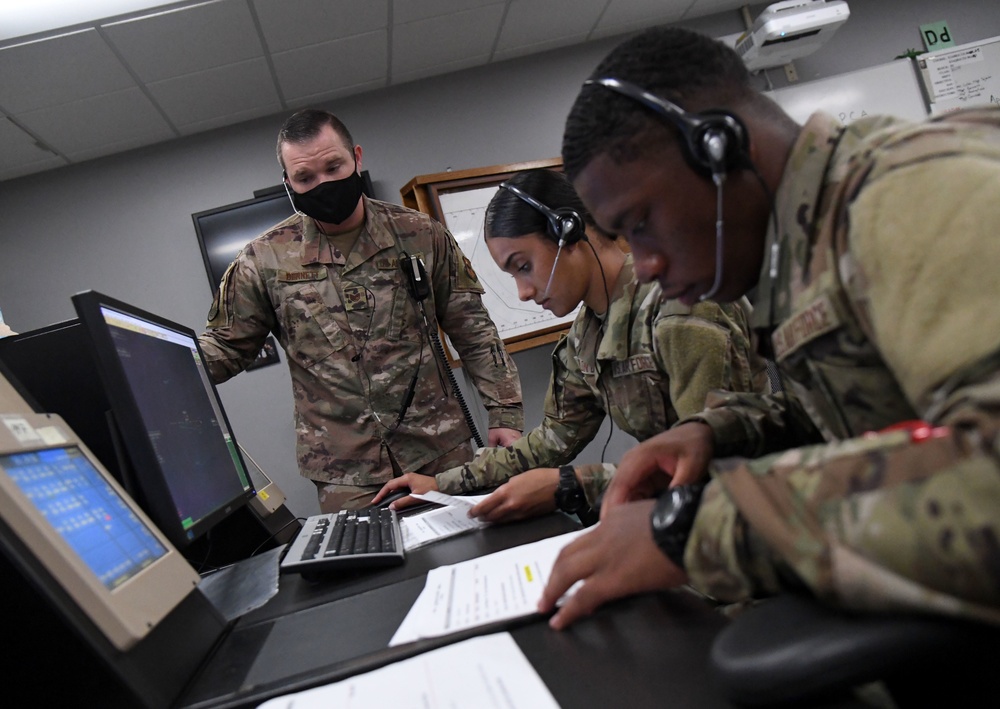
[[569, 494], [672, 519]]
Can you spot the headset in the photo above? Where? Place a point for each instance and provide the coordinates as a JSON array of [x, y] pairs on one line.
[[715, 142], [565, 224]]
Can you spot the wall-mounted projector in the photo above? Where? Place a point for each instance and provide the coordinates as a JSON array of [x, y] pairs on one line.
[[788, 30]]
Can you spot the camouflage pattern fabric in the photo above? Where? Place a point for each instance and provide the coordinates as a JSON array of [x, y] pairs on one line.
[[334, 497], [354, 337], [653, 361], [885, 310]]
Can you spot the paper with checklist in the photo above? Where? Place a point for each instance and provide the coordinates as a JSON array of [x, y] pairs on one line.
[[447, 521], [501, 586]]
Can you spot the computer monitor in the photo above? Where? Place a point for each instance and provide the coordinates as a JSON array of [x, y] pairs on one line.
[[54, 366], [182, 452], [64, 516]]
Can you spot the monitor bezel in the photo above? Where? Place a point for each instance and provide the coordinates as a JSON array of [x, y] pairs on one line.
[[126, 614], [149, 476]]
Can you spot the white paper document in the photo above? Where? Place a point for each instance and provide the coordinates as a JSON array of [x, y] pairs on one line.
[[486, 672], [441, 522], [501, 586]]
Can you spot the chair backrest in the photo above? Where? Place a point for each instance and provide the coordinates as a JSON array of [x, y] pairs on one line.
[[792, 649]]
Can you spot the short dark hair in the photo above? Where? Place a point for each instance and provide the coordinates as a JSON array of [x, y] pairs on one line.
[[305, 125], [690, 69], [507, 215]]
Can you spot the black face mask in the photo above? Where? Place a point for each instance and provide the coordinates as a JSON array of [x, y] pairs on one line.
[[331, 202]]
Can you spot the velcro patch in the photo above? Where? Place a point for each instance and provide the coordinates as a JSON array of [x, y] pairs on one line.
[[387, 263], [467, 278], [354, 298], [817, 318]]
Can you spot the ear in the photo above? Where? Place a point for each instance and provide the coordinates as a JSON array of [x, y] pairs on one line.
[[357, 157]]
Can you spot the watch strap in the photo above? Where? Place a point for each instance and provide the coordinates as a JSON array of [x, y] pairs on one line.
[[673, 517], [570, 497]]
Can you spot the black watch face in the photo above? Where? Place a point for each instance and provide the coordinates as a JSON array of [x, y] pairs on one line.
[[569, 500], [667, 514], [569, 495]]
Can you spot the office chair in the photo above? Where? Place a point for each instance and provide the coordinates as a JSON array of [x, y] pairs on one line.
[[793, 649]]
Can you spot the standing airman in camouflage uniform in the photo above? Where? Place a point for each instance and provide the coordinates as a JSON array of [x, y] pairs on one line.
[[644, 360], [329, 284], [875, 265]]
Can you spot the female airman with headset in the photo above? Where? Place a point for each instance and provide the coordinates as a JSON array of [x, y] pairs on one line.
[[630, 353]]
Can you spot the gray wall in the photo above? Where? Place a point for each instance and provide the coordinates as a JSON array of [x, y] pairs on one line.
[[122, 224]]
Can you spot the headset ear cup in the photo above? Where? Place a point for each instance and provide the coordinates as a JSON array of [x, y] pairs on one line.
[[576, 231], [719, 143]]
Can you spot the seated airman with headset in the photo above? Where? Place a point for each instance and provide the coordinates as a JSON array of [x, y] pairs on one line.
[[873, 250]]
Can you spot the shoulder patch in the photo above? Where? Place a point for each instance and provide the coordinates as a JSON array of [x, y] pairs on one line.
[[467, 278]]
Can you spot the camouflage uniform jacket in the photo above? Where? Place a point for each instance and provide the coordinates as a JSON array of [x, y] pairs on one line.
[[354, 336], [884, 310], [652, 361]]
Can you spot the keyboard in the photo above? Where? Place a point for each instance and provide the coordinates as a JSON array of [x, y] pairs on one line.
[[346, 540]]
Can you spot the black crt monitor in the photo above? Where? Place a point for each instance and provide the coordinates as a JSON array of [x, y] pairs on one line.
[[223, 231], [184, 457], [54, 367]]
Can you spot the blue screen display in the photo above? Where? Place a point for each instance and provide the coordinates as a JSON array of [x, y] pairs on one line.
[[86, 511]]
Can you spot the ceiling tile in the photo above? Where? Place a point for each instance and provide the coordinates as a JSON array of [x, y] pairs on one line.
[[184, 41], [701, 8], [121, 146], [526, 49], [438, 69], [110, 119], [20, 155], [630, 15], [461, 37], [202, 64], [231, 89], [229, 119], [328, 67], [529, 22], [289, 24], [59, 70], [327, 96], [404, 11]]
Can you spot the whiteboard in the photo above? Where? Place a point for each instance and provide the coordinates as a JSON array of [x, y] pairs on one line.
[[963, 76], [464, 215], [887, 89]]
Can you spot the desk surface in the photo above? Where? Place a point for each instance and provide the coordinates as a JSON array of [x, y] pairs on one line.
[[296, 593], [647, 651]]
